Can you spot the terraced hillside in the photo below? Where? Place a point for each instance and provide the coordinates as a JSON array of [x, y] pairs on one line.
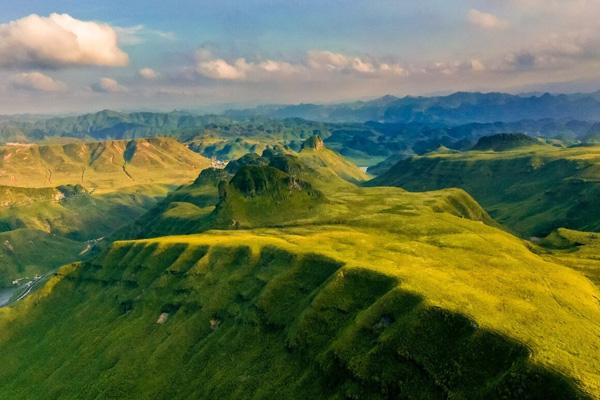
[[376, 293], [99, 165], [532, 190]]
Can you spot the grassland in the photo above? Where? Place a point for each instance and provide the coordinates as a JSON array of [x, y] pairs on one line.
[[99, 166], [531, 190], [62, 195], [372, 293], [44, 232]]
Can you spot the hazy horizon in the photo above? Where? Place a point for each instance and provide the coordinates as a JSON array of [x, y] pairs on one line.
[[65, 57]]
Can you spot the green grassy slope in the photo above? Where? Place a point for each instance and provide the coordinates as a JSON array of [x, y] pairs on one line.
[[532, 190], [280, 187], [406, 299], [317, 156], [578, 250], [84, 217], [378, 293], [100, 165], [321, 290]]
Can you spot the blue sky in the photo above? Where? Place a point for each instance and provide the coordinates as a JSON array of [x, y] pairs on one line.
[[81, 55]]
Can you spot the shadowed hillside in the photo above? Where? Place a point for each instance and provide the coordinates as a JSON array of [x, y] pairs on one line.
[[43, 228], [504, 141], [28, 252], [233, 321]]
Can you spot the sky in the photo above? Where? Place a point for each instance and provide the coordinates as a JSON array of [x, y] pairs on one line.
[[68, 56]]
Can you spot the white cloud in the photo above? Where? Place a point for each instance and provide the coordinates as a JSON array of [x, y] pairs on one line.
[[393, 69], [241, 69], [338, 62], [37, 81], [485, 20], [316, 64], [323, 59], [58, 40], [330, 61], [108, 85], [148, 73], [222, 70], [278, 67]]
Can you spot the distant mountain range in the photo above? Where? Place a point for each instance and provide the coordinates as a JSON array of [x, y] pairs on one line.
[[366, 132], [457, 108]]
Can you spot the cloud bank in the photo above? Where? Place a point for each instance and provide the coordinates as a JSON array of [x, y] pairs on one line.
[[59, 40], [315, 64]]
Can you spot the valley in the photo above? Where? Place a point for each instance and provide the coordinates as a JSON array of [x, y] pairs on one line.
[[100, 187]]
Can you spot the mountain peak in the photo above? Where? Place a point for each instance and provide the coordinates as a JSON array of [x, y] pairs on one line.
[[314, 143]]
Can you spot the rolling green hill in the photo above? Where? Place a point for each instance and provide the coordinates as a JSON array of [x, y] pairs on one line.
[[532, 190], [103, 166], [279, 187], [371, 293]]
